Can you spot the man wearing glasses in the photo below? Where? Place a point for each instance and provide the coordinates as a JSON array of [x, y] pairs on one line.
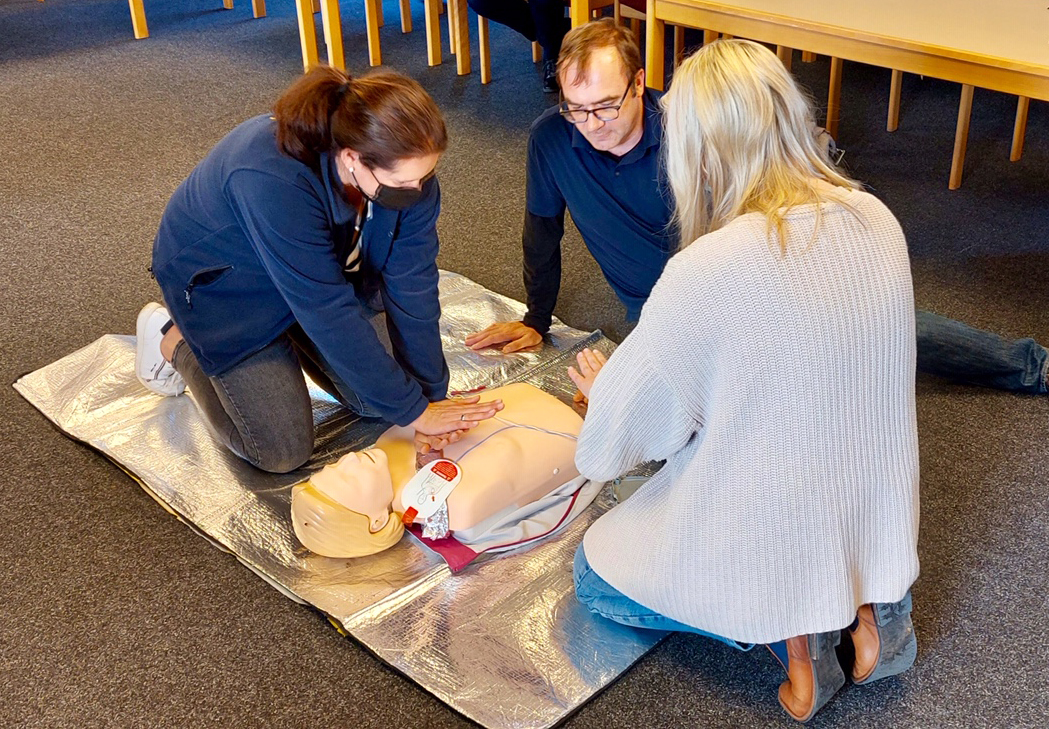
[[598, 154]]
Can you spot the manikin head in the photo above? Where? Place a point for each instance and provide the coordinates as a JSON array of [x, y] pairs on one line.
[[344, 510], [600, 69]]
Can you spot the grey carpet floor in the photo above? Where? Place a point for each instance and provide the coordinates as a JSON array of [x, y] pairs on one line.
[[115, 614]]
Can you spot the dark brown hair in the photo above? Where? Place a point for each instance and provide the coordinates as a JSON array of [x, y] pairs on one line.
[[581, 42], [384, 116]]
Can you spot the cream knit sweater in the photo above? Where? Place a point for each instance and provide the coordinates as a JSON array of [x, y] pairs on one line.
[[780, 390]]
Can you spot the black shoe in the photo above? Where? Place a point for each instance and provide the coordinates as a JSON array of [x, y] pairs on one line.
[[550, 85]]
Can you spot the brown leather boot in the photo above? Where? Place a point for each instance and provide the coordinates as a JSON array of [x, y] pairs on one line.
[[884, 640], [813, 674]]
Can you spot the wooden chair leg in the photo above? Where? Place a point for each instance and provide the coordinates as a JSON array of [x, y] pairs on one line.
[[371, 21], [433, 31], [316, 6], [382, 17], [332, 23], [895, 87], [808, 56], [537, 52], [453, 27], [579, 12], [786, 55], [484, 50], [462, 37], [961, 136], [834, 97], [227, 4], [655, 42], [709, 36], [307, 33], [635, 28], [258, 8], [406, 16], [138, 19], [617, 12], [1019, 129], [679, 45]]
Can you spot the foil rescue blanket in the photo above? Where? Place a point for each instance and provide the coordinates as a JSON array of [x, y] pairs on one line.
[[504, 641]]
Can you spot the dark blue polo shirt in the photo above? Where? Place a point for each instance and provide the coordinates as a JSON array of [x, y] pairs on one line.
[[622, 207]]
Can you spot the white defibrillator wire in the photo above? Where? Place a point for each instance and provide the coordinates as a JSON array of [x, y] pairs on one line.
[[509, 425]]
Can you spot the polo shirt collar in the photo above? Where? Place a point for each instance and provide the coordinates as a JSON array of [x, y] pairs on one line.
[[651, 135]]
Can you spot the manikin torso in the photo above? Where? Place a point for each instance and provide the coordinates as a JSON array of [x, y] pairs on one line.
[[343, 511], [513, 466]]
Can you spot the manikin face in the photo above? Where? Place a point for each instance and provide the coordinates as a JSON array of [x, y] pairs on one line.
[[361, 483], [604, 84]]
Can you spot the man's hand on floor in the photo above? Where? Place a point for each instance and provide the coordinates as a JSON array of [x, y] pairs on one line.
[[518, 335]]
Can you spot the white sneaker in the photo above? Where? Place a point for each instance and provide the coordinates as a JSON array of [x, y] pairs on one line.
[[152, 370]]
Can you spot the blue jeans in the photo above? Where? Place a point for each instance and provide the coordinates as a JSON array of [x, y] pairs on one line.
[[959, 352], [601, 598]]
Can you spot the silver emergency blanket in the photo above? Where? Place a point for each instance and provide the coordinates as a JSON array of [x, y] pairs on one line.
[[504, 642]]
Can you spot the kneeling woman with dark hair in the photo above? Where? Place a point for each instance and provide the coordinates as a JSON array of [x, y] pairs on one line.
[[277, 250]]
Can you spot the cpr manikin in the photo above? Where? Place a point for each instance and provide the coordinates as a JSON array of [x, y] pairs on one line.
[[508, 462]]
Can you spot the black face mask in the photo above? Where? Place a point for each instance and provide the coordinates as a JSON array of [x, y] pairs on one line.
[[395, 198]]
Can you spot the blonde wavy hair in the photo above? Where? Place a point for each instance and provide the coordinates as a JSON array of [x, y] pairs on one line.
[[740, 138]]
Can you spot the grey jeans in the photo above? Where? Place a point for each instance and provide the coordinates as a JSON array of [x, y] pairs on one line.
[[260, 409]]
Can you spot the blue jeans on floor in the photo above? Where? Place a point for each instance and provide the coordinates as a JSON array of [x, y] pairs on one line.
[[601, 598], [957, 351]]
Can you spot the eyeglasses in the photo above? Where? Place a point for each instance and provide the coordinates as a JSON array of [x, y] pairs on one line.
[[603, 113]]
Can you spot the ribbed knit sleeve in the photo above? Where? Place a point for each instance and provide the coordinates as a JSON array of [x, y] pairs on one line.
[[633, 417]]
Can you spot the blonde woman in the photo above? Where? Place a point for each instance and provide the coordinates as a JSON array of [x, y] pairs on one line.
[[773, 369]]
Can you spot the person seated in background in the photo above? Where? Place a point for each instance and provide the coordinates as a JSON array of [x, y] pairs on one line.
[[598, 155], [537, 20], [506, 464], [773, 368]]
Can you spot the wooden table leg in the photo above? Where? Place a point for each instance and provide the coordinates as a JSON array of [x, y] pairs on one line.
[[258, 8], [1019, 129], [331, 20], [485, 49], [307, 33], [679, 45], [433, 31], [371, 21], [579, 12], [786, 55], [655, 39], [834, 97], [406, 16], [961, 136], [895, 87], [462, 37], [138, 19]]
